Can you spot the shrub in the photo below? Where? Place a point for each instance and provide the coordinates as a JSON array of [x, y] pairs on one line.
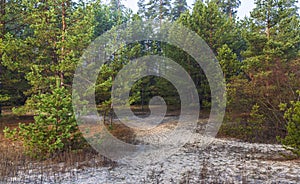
[[55, 128], [292, 115], [248, 127]]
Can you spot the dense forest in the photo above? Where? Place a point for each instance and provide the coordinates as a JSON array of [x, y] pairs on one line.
[[41, 43]]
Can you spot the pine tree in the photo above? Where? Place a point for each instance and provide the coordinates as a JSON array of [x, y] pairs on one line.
[[179, 7], [209, 23], [292, 115], [50, 53], [158, 9], [117, 11], [228, 61], [229, 7], [269, 14], [272, 33], [116, 5], [142, 9], [60, 31], [269, 62], [12, 83], [217, 30]]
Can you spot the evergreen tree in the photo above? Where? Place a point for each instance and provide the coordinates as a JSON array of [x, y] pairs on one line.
[[268, 14], [158, 9], [50, 53], [272, 33], [61, 30], [142, 9], [217, 30], [12, 83], [269, 63], [209, 23], [116, 5], [229, 7], [292, 115], [119, 12], [228, 61], [179, 7]]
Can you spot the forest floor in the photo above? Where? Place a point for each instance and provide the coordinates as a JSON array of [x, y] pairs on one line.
[[223, 161]]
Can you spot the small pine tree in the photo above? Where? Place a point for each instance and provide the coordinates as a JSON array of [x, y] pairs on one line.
[[57, 40], [55, 127], [292, 115]]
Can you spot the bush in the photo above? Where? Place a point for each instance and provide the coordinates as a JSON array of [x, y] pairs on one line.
[[292, 115], [248, 127], [55, 128]]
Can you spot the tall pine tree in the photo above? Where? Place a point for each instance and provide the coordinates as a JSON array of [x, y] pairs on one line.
[[12, 83], [179, 7], [158, 9], [269, 63], [142, 9], [229, 7], [60, 31]]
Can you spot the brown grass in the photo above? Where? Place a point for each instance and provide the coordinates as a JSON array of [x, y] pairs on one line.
[[15, 166]]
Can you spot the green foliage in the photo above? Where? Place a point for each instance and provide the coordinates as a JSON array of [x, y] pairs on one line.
[[269, 67], [254, 128], [118, 13], [55, 128], [46, 53], [156, 9], [292, 115], [142, 8], [214, 26], [55, 40], [228, 61], [247, 127], [41, 43], [4, 98], [12, 83], [272, 32], [179, 7], [221, 34], [267, 89], [229, 7]]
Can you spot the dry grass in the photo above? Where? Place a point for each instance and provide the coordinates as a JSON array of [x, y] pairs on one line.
[[15, 166]]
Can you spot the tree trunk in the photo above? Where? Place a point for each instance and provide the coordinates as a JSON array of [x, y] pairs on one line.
[[160, 12], [3, 31], [230, 10], [111, 104], [64, 27], [268, 24], [2, 20]]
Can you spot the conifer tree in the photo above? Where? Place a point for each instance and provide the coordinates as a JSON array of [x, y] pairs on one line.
[[269, 62], [292, 114], [158, 9], [272, 33], [12, 83], [179, 7], [60, 31], [142, 9], [229, 7], [118, 12], [211, 24], [228, 61]]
